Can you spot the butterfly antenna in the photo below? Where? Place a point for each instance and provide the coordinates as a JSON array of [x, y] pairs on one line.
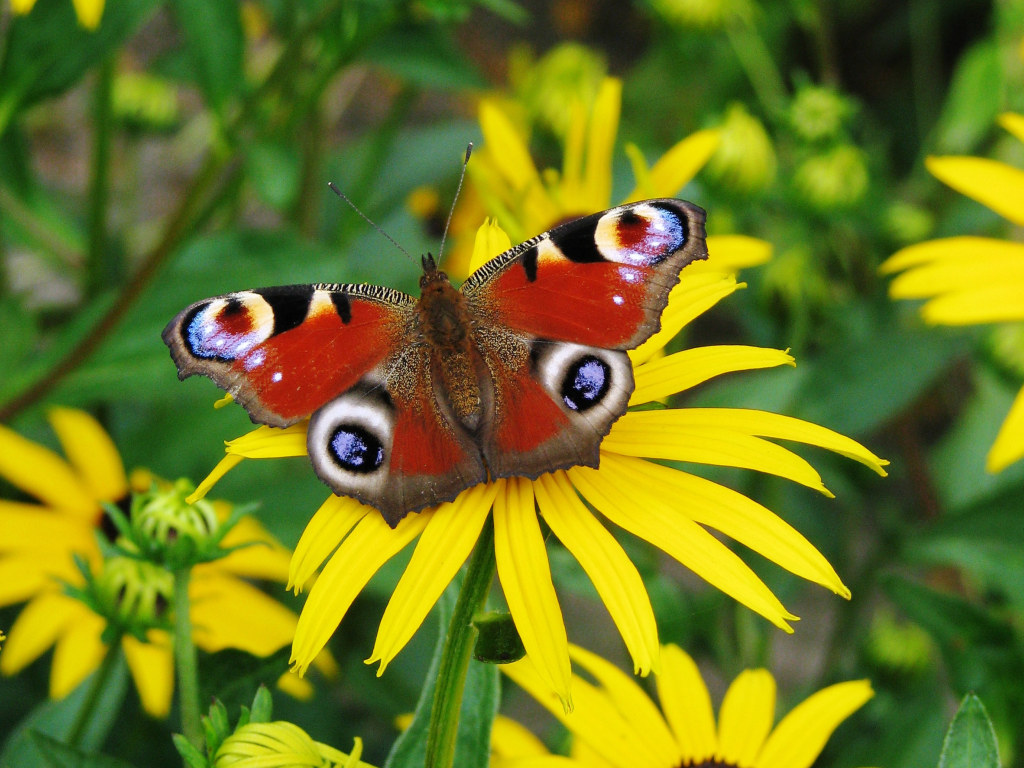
[[465, 162], [368, 220]]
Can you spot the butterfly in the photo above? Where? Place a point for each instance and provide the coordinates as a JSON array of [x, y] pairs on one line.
[[520, 371]]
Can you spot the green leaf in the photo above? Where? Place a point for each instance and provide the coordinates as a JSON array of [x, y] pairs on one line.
[[213, 35], [974, 99], [424, 56], [55, 719], [60, 755], [479, 706], [970, 740], [48, 51], [274, 171]]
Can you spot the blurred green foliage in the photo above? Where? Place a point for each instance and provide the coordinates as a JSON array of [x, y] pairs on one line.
[[182, 150]]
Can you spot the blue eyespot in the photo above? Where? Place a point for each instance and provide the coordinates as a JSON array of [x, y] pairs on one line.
[[355, 449], [586, 383]]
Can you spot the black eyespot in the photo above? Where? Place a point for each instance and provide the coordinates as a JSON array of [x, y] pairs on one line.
[[586, 383], [355, 449]]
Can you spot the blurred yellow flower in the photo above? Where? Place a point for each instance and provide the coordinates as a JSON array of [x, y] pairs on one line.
[[668, 507], [971, 280], [36, 558], [89, 12], [616, 725]]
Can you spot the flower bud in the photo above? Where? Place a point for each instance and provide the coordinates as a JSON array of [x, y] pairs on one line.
[[835, 179], [745, 160]]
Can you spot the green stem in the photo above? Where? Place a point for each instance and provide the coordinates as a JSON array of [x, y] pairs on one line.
[[757, 62], [185, 660], [101, 267], [100, 679], [458, 647]]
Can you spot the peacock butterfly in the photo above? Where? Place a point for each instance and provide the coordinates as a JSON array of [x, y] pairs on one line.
[[519, 372]]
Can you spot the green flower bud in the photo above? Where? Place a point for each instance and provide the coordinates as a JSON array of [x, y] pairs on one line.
[[745, 159], [144, 101], [1006, 344], [702, 14], [833, 180], [567, 73], [899, 648], [908, 223], [164, 528], [818, 113], [132, 595]]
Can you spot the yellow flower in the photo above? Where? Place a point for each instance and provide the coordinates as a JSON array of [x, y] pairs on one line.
[[970, 280], [281, 744], [668, 507], [36, 559], [88, 11], [616, 725]]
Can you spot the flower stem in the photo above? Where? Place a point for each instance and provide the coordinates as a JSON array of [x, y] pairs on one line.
[[101, 266], [100, 679], [458, 646], [185, 660], [756, 60]]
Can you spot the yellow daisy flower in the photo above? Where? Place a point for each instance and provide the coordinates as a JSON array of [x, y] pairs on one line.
[[971, 280], [36, 560], [89, 12], [525, 200], [616, 725], [666, 506]]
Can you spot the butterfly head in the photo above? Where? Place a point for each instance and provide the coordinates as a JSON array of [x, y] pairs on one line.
[[432, 276]]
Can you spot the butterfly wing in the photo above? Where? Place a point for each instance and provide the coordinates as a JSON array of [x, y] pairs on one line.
[[557, 313], [352, 358]]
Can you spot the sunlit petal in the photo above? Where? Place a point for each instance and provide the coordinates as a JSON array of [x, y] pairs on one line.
[[633, 704], [510, 739], [746, 717], [686, 702], [77, 653], [27, 573], [677, 167], [602, 128], [223, 466], [955, 264], [1003, 302], [29, 527], [694, 295], [798, 740], [649, 511], [152, 668], [490, 241], [37, 627], [370, 544], [91, 452], [525, 576], [613, 574], [331, 523], [41, 473], [443, 547], [89, 12], [230, 613], [263, 558], [1014, 123], [728, 253], [1009, 444], [993, 184], [270, 442], [688, 368]]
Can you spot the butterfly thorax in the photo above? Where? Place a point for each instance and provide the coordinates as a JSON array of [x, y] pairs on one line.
[[446, 324]]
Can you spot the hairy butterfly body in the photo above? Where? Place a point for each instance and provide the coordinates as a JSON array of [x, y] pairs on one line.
[[519, 372]]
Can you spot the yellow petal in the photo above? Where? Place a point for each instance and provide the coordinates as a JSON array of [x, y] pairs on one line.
[[89, 12], [91, 452], [490, 241], [780, 427], [799, 738], [77, 654], [954, 251], [152, 668], [634, 705], [29, 573], [525, 576], [728, 253], [992, 183], [992, 304], [694, 295], [678, 166], [677, 372], [687, 705], [602, 128], [746, 717], [573, 156], [371, 544], [230, 613], [21, 7], [443, 547], [325, 531], [616, 579], [661, 435], [40, 472], [297, 687], [30, 527], [270, 442], [1013, 123], [626, 497], [509, 739], [37, 627], [224, 466], [742, 519], [1009, 444], [263, 558]]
